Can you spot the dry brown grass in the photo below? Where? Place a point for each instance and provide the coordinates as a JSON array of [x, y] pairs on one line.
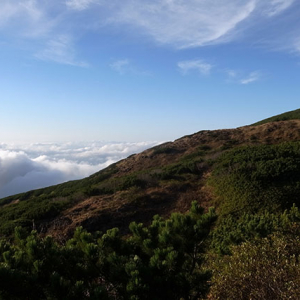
[[119, 209]]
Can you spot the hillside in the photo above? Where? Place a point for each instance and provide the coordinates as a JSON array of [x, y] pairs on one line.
[[290, 115], [161, 180], [143, 228]]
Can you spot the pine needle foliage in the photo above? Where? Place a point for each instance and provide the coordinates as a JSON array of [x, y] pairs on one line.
[[161, 261]]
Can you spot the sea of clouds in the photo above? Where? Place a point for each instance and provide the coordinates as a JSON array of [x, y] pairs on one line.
[[32, 166]]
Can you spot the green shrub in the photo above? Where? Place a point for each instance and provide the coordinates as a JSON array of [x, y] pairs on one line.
[[250, 179], [164, 150], [233, 231], [161, 261], [267, 268]]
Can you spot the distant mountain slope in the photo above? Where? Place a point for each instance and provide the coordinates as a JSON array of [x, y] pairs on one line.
[[291, 115], [160, 180]]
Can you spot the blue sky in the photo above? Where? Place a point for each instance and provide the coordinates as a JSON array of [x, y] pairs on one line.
[[133, 70]]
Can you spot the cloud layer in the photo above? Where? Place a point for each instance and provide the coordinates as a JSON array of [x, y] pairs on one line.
[[27, 167]]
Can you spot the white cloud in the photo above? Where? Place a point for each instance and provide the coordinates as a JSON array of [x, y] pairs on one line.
[[39, 21], [121, 66], [297, 45], [11, 10], [194, 23], [125, 66], [275, 7], [79, 4], [177, 23], [32, 166], [232, 73], [252, 77], [187, 23], [32, 9], [60, 50], [241, 77], [195, 65], [26, 19]]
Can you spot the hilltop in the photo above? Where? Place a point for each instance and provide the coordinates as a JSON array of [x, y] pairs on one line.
[[290, 115]]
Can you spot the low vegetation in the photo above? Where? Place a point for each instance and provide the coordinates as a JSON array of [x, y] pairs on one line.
[[267, 268], [161, 261], [257, 178]]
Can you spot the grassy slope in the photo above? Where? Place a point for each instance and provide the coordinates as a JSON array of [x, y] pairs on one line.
[[291, 115]]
